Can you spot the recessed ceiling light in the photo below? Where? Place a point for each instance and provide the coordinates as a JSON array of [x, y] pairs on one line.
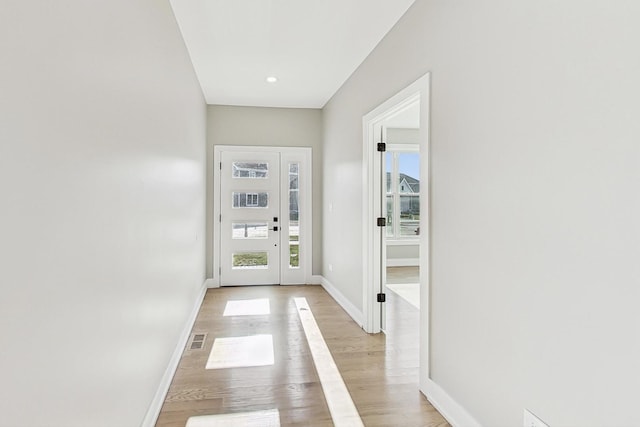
[[272, 79]]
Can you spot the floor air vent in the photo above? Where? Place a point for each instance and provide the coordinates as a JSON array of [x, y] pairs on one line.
[[197, 341]]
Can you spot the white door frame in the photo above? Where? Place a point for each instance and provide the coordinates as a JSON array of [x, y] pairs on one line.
[[372, 199], [305, 198]]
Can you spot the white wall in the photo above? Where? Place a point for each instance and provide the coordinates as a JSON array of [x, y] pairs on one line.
[[259, 126], [102, 145], [535, 175], [402, 255], [403, 136]]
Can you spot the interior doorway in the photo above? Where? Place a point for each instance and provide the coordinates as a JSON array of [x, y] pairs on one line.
[[262, 235], [384, 212], [401, 205]]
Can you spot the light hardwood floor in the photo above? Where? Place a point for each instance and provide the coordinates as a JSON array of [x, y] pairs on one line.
[[403, 274], [380, 371]]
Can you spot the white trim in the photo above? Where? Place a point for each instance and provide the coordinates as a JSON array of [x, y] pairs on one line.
[[215, 239], [403, 147], [407, 242], [346, 305], [403, 262], [372, 123], [161, 393], [451, 410], [425, 224], [316, 279], [211, 284], [371, 202]]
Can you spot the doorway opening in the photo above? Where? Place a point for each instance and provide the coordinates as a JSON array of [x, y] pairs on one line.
[[262, 215], [401, 238], [396, 225]]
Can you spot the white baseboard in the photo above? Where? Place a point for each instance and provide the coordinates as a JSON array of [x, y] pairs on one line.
[[316, 279], [351, 309], [451, 410], [156, 404], [211, 283], [403, 262]]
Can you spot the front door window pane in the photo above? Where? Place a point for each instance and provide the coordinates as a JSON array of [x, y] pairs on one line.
[[250, 170], [251, 260], [250, 200], [246, 230]]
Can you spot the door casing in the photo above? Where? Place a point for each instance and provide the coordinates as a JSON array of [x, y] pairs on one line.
[[372, 247]]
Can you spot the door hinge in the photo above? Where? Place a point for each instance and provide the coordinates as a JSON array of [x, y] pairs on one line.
[[220, 218], [382, 222], [382, 146], [382, 297], [219, 271], [220, 165]]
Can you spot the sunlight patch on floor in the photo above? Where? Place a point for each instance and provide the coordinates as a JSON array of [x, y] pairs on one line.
[[343, 410], [241, 352], [409, 292], [270, 418], [247, 307]]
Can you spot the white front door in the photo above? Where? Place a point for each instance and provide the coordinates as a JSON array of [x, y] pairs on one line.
[[250, 218], [264, 210]]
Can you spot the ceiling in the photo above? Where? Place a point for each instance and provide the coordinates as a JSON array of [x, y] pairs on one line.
[[311, 46]]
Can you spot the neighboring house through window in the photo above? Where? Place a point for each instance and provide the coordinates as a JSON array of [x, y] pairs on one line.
[[403, 193], [252, 199]]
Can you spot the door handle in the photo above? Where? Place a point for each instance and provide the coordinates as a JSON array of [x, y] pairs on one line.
[[275, 228]]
